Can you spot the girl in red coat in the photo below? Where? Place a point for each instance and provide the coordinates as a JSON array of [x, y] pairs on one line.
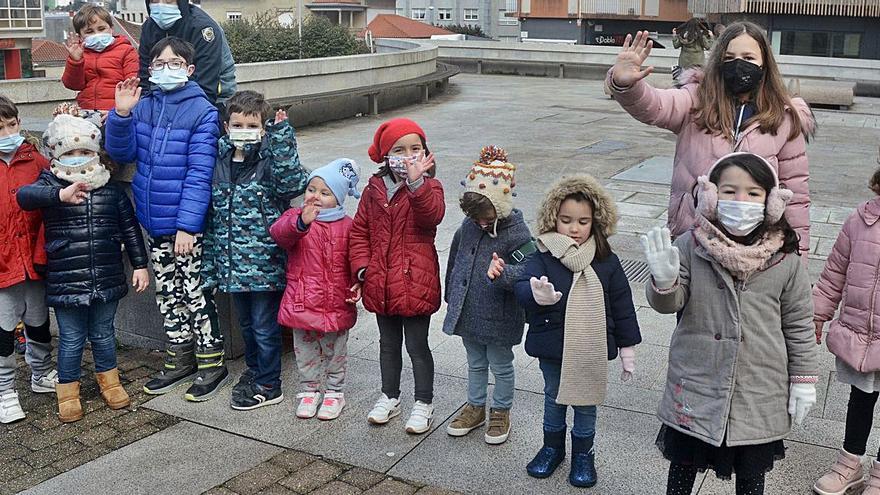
[[319, 300], [393, 254], [98, 60]]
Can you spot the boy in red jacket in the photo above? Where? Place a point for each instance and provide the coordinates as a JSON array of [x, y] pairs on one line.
[[22, 291], [98, 60]]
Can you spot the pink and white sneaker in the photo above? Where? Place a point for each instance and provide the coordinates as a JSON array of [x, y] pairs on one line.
[[308, 404], [332, 406]]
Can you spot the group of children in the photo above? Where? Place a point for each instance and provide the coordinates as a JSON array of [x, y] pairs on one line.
[[216, 208]]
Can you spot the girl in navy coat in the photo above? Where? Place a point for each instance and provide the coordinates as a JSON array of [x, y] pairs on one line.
[[580, 314]]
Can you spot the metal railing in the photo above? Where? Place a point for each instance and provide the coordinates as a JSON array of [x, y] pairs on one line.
[[852, 8]]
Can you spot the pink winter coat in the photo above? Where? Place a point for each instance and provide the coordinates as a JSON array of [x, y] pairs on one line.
[[696, 151], [852, 274], [318, 276]]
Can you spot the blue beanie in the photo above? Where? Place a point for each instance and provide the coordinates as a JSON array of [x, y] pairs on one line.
[[341, 176]]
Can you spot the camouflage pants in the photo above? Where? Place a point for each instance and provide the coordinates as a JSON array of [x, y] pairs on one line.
[[320, 354], [187, 308]]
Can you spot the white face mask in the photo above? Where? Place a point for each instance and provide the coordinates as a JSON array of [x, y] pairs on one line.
[[740, 218], [242, 137]]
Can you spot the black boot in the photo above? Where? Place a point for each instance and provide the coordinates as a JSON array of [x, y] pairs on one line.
[[549, 457], [211, 376], [583, 462], [180, 366]]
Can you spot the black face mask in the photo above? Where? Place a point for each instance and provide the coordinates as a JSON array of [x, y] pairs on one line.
[[741, 76]]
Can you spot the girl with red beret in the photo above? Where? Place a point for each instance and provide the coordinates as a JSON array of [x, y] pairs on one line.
[[392, 252]]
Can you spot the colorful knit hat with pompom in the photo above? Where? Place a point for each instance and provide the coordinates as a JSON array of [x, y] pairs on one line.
[[493, 177]]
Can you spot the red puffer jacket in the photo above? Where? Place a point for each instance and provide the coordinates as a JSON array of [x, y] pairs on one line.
[[21, 232], [318, 277], [394, 241], [96, 74]]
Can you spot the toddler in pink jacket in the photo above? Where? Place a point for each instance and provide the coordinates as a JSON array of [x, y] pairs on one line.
[[851, 279]]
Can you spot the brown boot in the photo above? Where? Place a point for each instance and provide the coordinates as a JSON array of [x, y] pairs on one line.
[[114, 395], [69, 407]]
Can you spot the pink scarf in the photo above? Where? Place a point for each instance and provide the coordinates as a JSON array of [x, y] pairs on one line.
[[739, 259]]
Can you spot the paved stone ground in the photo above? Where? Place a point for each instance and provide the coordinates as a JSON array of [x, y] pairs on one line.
[[550, 128]]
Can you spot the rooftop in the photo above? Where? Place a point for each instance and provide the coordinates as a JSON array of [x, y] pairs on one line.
[[395, 26], [48, 52]]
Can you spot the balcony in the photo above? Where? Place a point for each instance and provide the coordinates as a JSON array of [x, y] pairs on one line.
[[851, 8], [585, 8]]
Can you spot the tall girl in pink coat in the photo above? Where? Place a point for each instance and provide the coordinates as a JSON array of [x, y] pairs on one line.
[[319, 300], [851, 280], [737, 103]]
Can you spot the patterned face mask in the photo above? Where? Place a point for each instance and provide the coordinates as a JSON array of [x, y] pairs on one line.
[[397, 164]]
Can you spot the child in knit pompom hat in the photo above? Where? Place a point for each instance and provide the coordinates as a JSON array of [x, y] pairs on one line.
[[393, 253], [492, 240], [319, 301]]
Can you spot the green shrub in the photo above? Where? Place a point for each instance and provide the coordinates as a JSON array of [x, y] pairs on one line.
[[468, 29]]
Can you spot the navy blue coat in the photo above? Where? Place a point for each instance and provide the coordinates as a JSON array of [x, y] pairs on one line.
[[546, 323], [83, 242], [173, 136]]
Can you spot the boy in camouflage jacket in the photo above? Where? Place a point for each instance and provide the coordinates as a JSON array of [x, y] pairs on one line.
[[257, 174]]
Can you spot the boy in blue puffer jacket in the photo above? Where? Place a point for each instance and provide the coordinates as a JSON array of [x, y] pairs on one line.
[[172, 133]]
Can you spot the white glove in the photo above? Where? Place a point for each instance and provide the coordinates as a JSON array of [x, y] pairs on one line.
[[544, 292], [628, 360], [662, 257], [801, 397]]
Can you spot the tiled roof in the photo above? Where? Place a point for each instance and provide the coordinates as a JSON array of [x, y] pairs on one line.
[[395, 26], [47, 52], [129, 29]]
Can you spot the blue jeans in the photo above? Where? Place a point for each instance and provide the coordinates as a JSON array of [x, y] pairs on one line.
[[75, 325], [554, 414], [258, 318], [481, 358]]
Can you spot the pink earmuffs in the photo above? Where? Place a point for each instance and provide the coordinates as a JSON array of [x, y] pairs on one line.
[[707, 193]]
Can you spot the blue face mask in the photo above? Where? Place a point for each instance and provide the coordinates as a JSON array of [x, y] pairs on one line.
[[98, 42], [164, 15], [74, 161], [10, 143], [168, 79]]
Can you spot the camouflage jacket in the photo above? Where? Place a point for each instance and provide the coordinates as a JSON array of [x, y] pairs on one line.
[[246, 198]]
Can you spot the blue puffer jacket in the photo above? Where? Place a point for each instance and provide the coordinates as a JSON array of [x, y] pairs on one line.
[[173, 137], [547, 323]]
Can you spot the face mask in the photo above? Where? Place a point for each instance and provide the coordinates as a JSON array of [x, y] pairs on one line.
[[10, 143], [740, 218], [169, 80], [741, 76], [242, 137], [98, 42], [76, 161], [397, 164], [164, 15]]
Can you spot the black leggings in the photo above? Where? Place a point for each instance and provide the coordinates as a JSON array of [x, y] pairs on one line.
[[681, 478], [392, 330], [859, 417]]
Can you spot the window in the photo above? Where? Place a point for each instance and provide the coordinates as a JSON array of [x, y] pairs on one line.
[[418, 14], [21, 14], [507, 16], [398, 11], [471, 15], [233, 16], [820, 44], [444, 14]]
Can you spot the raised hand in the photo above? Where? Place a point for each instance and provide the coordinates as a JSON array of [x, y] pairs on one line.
[[544, 292], [496, 267], [74, 194], [309, 212], [628, 68], [415, 169], [74, 45], [280, 116], [128, 94], [140, 279], [662, 256]]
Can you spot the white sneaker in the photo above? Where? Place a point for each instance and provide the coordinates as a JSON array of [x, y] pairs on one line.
[[44, 384], [332, 406], [384, 410], [308, 404], [420, 418], [10, 409]]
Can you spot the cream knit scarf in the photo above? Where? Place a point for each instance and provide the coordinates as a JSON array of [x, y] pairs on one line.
[[584, 378]]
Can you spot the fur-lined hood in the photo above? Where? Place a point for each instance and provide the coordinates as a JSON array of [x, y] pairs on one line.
[[605, 216], [695, 75]]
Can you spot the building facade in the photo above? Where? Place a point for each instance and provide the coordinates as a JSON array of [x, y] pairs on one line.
[[496, 18], [20, 22], [132, 10]]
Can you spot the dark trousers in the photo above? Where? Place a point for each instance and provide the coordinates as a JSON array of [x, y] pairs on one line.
[[258, 318], [76, 325], [859, 417], [392, 330]]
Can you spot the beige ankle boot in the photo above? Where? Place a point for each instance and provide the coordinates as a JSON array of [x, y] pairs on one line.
[[69, 407], [873, 486], [111, 390]]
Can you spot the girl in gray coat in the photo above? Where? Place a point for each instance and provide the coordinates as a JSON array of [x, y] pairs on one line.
[[484, 262], [742, 361]]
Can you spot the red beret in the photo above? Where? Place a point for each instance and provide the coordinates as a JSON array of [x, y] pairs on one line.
[[388, 133]]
